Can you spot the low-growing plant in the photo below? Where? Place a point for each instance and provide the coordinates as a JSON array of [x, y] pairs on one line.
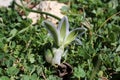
[[22, 44], [62, 38]]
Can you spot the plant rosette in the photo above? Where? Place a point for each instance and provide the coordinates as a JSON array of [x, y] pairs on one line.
[[62, 38]]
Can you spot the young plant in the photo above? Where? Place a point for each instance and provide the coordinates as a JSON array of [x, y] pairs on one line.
[[62, 38]]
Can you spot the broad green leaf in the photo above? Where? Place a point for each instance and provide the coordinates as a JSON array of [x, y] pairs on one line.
[[72, 35], [64, 28], [25, 77], [33, 77], [12, 70], [48, 56], [100, 73], [13, 32], [52, 30]]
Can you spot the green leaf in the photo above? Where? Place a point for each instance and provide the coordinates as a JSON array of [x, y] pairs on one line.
[[9, 62], [25, 77], [64, 9], [64, 28], [4, 78], [1, 40], [118, 69], [52, 30], [100, 73], [12, 70], [1, 71], [31, 58], [48, 56], [33, 77], [79, 72], [1, 44], [51, 77], [13, 32], [72, 35], [118, 49]]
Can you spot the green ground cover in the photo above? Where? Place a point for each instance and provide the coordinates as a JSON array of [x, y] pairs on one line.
[[22, 45]]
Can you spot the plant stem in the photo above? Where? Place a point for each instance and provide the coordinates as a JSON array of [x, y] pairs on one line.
[[95, 70], [108, 20], [57, 55], [19, 32], [30, 10]]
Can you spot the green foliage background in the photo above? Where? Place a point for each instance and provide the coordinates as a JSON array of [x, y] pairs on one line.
[[22, 45]]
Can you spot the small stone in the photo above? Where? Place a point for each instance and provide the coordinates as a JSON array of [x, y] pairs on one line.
[[52, 7]]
